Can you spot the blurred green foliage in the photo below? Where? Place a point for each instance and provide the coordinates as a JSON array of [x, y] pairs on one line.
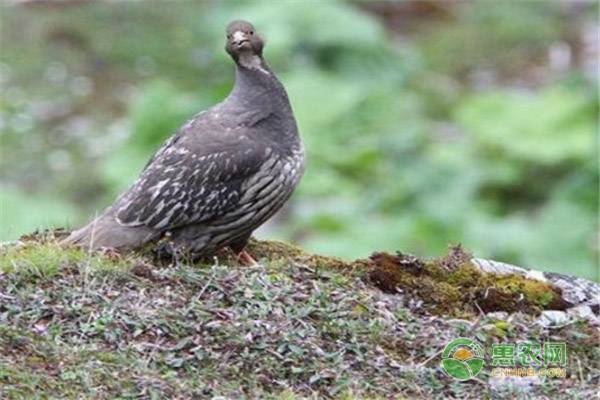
[[456, 127]]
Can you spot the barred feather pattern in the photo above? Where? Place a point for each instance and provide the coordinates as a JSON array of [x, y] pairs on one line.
[[209, 201], [178, 189], [260, 197]]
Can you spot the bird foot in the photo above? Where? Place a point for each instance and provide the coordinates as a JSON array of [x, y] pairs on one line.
[[246, 259], [110, 252]]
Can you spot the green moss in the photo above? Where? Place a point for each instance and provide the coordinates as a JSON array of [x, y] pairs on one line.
[[536, 292], [38, 261], [453, 286], [273, 250], [35, 262]]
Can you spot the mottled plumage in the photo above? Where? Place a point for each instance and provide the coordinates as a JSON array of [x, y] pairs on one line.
[[223, 174]]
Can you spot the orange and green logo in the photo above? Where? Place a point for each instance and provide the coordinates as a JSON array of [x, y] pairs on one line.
[[462, 359]]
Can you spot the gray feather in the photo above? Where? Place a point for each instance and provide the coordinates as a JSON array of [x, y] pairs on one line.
[[105, 231]]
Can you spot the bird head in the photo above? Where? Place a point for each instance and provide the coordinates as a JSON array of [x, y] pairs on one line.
[[243, 40]]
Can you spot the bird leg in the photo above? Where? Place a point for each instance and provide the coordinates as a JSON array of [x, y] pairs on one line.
[[246, 259], [110, 252], [238, 247]]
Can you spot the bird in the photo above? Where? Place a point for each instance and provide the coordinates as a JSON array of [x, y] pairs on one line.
[[220, 176]]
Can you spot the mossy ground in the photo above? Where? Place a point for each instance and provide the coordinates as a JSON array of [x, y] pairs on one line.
[[450, 286], [103, 326]]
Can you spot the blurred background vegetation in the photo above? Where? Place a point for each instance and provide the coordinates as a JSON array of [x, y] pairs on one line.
[[426, 123]]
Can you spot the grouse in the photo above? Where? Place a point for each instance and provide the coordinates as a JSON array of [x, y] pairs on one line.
[[220, 176]]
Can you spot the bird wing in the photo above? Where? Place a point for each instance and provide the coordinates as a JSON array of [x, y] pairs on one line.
[[184, 184]]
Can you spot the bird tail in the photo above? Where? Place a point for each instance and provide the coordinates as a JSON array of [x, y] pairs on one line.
[[105, 231]]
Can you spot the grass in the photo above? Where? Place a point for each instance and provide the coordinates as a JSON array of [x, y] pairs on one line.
[[39, 262], [103, 326]]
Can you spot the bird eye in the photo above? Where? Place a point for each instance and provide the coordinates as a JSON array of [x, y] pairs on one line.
[[228, 36], [251, 32]]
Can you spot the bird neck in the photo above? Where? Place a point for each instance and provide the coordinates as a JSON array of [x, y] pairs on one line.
[[259, 98], [253, 62], [256, 84]]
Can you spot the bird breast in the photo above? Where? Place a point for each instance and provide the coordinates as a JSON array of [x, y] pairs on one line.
[[278, 175], [268, 189]]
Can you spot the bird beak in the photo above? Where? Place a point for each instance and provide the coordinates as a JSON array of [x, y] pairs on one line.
[[239, 38]]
